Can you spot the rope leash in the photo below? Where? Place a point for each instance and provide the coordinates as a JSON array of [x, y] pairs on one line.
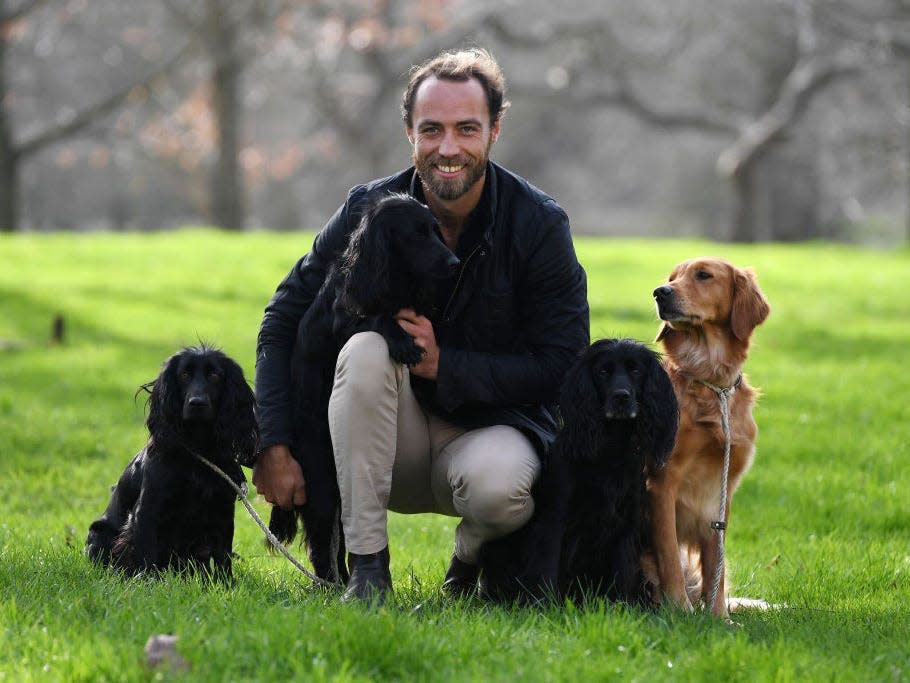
[[720, 525], [241, 495]]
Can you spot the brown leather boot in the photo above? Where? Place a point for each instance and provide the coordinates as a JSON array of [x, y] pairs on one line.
[[461, 579], [370, 577]]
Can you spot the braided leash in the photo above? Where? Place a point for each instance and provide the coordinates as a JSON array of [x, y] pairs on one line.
[[241, 495], [720, 525]]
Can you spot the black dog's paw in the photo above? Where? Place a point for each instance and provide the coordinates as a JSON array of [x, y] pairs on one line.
[[405, 351]]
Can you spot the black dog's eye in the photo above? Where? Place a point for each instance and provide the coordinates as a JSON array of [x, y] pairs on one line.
[[184, 376], [703, 275], [604, 371], [214, 376]]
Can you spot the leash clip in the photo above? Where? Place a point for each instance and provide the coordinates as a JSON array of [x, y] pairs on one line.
[[719, 526]]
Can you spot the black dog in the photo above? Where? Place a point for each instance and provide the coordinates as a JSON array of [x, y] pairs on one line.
[[394, 260], [168, 510], [590, 524]]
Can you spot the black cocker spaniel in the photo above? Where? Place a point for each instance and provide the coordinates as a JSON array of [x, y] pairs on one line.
[[168, 510], [590, 524], [394, 260]]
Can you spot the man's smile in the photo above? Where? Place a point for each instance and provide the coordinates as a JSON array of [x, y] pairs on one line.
[[450, 168]]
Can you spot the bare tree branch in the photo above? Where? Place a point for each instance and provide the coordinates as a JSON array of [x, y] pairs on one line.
[[805, 80], [611, 56], [189, 21], [85, 117], [10, 15]]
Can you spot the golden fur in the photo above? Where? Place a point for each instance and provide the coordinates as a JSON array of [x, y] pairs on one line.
[[709, 308]]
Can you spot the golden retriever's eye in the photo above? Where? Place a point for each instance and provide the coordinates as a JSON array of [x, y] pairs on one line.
[[703, 275]]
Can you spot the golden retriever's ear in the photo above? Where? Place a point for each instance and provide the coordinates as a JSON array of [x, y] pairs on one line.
[[750, 308]]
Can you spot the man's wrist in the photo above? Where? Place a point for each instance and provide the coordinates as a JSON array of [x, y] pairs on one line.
[[266, 451]]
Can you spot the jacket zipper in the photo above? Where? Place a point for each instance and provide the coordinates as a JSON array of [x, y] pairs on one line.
[[464, 267]]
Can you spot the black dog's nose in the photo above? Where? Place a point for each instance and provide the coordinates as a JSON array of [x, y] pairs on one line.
[[663, 292], [622, 395], [197, 401]]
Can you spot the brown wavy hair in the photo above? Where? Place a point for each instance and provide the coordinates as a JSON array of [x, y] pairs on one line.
[[460, 65]]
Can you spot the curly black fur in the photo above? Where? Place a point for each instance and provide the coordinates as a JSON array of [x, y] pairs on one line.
[[590, 523], [168, 510], [393, 260]]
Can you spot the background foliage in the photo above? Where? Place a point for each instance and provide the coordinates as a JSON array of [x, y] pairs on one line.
[[747, 120]]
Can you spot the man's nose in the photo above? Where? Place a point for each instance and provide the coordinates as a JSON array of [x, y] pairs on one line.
[[449, 145]]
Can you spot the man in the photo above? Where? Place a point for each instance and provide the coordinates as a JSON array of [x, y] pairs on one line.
[[461, 432]]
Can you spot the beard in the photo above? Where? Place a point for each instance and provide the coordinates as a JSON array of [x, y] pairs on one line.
[[451, 188]]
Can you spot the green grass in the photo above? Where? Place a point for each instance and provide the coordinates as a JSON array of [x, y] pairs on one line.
[[821, 523]]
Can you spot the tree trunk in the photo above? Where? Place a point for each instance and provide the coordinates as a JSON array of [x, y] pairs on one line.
[[9, 159], [777, 195], [790, 192], [9, 187], [745, 201], [228, 206]]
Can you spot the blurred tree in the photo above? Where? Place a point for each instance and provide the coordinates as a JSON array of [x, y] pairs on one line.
[[229, 30], [338, 69], [358, 53], [786, 54], [71, 120], [751, 119]]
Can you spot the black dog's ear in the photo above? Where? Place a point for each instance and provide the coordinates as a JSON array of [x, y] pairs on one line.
[[165, 403], [365, 264], [581, 411], [236, 418], [658, 420]]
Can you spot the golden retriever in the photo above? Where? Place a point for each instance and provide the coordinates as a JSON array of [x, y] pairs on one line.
[[709, 308]]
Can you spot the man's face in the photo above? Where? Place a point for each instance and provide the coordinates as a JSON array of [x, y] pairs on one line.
[[451, 135]]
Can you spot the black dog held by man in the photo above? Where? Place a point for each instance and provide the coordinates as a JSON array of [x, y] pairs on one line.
[[589, 530], [168, 510], [393, 261]]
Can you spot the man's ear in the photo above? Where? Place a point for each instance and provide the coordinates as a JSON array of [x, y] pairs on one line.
[[494, 132], [410, 133]]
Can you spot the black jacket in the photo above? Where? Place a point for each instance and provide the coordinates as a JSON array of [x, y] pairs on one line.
[[517, 318]]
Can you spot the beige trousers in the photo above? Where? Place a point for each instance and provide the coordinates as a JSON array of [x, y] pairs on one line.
[[390, 454]]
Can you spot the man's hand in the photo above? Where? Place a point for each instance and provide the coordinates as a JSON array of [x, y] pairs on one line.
[[421, 329], [278, 477]]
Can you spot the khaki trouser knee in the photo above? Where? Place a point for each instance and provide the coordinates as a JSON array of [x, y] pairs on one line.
[[391, 454]]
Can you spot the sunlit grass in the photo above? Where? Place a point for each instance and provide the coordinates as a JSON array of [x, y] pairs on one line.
[[821, 523]]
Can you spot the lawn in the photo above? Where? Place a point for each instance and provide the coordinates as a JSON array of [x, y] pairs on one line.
[[820, 526]]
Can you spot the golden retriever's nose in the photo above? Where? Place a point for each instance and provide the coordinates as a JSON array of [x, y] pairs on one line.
[[663, 293]]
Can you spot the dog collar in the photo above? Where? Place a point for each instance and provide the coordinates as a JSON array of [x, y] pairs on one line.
[[723, 390]]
